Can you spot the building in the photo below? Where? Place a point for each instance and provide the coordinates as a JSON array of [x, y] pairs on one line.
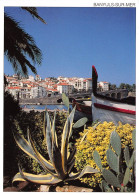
[[38, 91], [14, 91], [65, 88], [31, 78], [104, 86]]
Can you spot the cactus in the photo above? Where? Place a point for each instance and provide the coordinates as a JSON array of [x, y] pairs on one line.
[[117, 179], [61, 162]]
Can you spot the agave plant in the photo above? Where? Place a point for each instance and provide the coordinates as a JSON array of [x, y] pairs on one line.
[[118, 178], [61, 161]]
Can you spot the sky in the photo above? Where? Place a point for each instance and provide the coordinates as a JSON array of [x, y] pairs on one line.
[[75, 38]]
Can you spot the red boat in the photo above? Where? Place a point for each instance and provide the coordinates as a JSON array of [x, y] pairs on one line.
[[82, 110]]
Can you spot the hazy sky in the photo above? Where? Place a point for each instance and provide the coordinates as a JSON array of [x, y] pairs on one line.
[[74, 39]]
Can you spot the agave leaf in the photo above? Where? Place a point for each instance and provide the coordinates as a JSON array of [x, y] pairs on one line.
[[42, 161], [116, 142], [65, 139], [64, 146], [54, 135], [44, 123], [127, 155], [24, 145], [111, 178], [57, 161], [65, 100], [83, 138], [97, 159], [81, 122], [86, 170], [113, 160], [134, 138], [70, 165], [71, 117], [126, 176], [105, 187], [71, 156], [94, 127], [49, 137], [38, 179]]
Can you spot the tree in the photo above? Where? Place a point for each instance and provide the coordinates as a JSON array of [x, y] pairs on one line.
[[122, 86], [19, 45], [112, 86]]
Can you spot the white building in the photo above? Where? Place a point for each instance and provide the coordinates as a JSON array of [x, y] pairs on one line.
[[31, 78], [65, 88], [82, 84], [38, 91], [87, 84], [14, 91], [25, 93], [104, 86]]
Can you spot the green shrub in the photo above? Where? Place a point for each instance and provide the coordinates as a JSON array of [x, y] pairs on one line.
[[98, 139]]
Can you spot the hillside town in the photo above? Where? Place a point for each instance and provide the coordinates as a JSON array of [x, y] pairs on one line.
[[30, 88]]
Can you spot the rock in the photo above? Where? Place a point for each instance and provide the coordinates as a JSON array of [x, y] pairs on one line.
[[44, 188], [22, 185], [10, 189], [70, 188]]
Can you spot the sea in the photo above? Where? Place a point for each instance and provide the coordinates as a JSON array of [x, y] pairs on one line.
[[42, 107]]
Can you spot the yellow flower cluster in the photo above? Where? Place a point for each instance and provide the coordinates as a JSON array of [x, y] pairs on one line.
[[99, 139]]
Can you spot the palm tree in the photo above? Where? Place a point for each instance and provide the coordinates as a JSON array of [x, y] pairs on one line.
[[19, 46]]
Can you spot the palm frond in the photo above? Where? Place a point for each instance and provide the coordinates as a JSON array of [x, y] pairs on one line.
[[34, 13], [19, 47]]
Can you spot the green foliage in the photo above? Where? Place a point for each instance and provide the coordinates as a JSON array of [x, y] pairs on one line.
[[126, 181], [61, 158], [97, 138], [81, 122]]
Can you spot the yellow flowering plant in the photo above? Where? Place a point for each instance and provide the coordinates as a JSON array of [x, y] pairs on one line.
[[98, 138]]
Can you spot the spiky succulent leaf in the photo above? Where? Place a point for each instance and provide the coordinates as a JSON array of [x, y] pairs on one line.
[[49, 136], [113, 160], [115, 142], [81, 122], [24, 145], [42, 161], [126, 176], [111, 178], [134, 138], [86, 170], [38, 179], [44, 123], [65, 139], [65, 100], [97, 159], [72, 155], [54, 135], [57, 161], [70, 165], [126, 155], [71, 117]]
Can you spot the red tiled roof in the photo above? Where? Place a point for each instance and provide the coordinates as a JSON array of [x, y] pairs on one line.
[[63, 84], [14, 87]]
